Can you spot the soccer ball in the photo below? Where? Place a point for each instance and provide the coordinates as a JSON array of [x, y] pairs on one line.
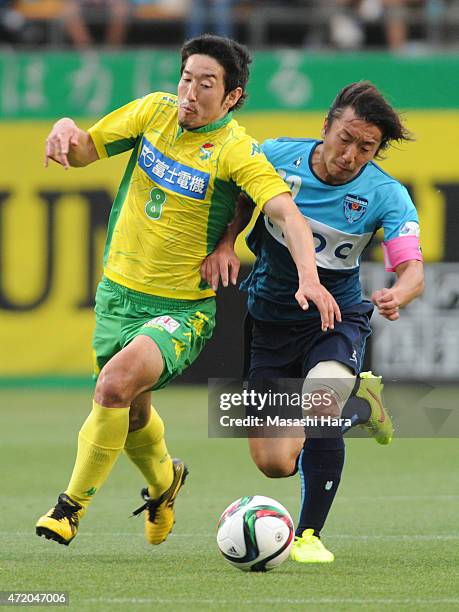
[[255, 533]]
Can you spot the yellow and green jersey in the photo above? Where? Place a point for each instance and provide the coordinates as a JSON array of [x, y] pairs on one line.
[[177, 195]]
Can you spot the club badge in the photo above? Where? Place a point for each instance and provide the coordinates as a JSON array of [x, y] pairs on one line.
[[354, 207], [206, 151]]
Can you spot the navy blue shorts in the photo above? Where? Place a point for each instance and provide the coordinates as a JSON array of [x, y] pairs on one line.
[[289, 351]]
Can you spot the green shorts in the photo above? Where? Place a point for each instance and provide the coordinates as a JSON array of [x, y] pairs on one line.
[[180, 328]]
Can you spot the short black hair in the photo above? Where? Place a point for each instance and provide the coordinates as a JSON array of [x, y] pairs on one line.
[[233, 57], [370, 105]]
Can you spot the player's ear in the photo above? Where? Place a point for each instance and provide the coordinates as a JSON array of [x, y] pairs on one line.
[[233, 97], [325, 127]]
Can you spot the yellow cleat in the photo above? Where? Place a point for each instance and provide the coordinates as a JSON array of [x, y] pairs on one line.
[[159, 517], [309, 549], [379, 425], [61, 522]]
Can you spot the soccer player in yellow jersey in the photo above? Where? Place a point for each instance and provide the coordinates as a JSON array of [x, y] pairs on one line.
[[154, 314]]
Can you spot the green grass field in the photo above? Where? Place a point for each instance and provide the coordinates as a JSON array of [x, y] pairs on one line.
[[393, 528]]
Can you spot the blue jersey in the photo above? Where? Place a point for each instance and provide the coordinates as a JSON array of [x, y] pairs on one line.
[[343, 219]]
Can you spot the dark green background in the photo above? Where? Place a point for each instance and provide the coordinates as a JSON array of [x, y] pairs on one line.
[[46, 85]]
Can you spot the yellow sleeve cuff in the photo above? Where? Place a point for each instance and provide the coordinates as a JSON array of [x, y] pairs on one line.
[[98, 142]]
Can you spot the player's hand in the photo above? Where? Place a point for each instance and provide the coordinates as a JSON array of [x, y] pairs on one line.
[[387, 303], [222, 264], [63, 135], [326, 305]]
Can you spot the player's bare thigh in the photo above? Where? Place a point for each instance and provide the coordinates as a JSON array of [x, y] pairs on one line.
[[129, 374]]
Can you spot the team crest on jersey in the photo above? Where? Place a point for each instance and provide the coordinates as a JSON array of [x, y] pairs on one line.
[[206, 151], [354, 207]]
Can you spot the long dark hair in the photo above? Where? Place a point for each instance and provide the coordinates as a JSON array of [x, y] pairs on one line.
[[370, 105]]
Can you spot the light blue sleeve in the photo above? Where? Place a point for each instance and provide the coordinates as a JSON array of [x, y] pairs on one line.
[[399, 216], [268, 147]]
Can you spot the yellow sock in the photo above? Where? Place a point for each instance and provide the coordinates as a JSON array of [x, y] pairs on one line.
[[147, 449], [100, 441]]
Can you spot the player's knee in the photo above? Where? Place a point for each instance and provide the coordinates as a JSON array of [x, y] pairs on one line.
[[327, 388], [113, 389]]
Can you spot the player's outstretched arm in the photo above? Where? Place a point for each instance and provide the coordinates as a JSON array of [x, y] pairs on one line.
[[409, 284], [68, 145], [283, 212], [223, 262]]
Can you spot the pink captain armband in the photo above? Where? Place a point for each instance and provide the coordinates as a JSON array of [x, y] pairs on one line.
[[401, 249]]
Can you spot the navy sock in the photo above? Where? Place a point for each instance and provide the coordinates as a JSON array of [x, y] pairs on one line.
[[356, 409], [320, 465]]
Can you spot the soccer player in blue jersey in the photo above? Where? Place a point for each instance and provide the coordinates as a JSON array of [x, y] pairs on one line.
[[346, 197]]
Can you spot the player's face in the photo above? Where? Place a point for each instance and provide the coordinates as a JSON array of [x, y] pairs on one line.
[[201, 93], [349, 143]]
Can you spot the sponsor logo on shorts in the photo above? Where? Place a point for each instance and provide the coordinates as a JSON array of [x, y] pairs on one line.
[[165, 322], [354, 207]]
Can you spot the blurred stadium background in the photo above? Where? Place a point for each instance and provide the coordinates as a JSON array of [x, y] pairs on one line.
[[85, 58]]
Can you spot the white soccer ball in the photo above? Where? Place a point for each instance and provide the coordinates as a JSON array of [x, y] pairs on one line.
[[255, 533]]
